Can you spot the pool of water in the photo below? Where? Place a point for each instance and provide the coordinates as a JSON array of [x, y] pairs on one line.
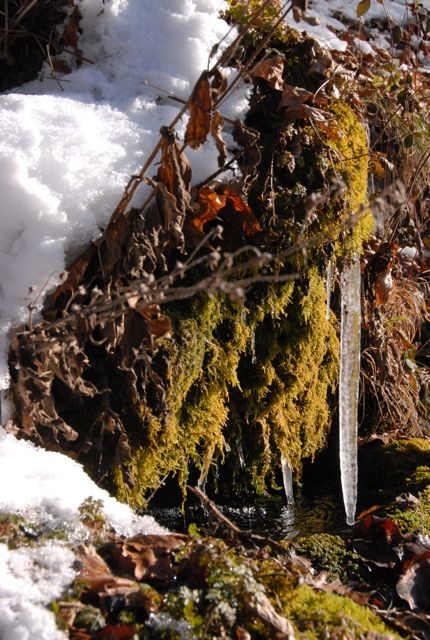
[[273, 517]]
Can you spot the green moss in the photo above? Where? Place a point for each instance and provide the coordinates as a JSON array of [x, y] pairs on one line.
[[350, 159], [330, 554], [259, 374], [416, 517], [318, 615]]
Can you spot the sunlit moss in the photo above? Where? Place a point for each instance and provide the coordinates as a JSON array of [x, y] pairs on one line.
[[350, 159], [269, 364], [330, 554]]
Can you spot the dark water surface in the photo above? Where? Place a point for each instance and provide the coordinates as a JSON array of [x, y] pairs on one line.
[[271, 517]]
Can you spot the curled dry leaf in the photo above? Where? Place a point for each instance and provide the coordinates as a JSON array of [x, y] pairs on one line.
[[220, 203], [414, 585], [216, 132], [271, 70], [157, 324], [200, 108], [293, 101], [240, 214]]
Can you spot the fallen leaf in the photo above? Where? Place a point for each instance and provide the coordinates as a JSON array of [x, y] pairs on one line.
[[414, 585], [216, 132], [271, 70], [116, 632], [200, 108], [293, 101], [147, 557]]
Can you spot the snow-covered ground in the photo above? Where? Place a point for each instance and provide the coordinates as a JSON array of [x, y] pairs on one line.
[[47, 489], [334, 16]]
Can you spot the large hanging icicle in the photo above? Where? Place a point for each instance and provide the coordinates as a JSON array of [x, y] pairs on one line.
[[349, 381]]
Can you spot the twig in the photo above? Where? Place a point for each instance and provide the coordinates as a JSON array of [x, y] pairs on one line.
[[237, 532]]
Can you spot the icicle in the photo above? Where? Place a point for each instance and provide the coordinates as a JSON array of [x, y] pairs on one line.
[[287, 477], [329, 287], [350, 287]]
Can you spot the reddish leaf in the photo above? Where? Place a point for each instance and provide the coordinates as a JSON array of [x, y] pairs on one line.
[[70, 35], [120, 632], [240, 214]]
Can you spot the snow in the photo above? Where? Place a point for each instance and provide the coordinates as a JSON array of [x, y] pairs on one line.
[[31, 578], [46, 489], [335, 15]]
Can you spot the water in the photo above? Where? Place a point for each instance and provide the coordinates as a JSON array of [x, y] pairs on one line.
[[273, 517]]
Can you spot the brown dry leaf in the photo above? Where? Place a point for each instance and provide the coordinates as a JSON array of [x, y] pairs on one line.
[[148, 557], [173, 186], [200, 108], [293, 101], [216, 132], [61, 66], [383, 287], [210, 203], [158, 324], [414, 585], [271, 70], [70, 35], [74, 276], [96, 575]]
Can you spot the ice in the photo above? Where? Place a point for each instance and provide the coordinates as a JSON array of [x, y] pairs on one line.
[[350, 331]]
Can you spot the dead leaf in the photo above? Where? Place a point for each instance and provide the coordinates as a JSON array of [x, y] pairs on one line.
[[200, 108], [217, 125], [271, 70], [293, 101], [157, 324], [147, 557], [261, 607], [116, 632], [414, 585], [70, 35], [237, 212]]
